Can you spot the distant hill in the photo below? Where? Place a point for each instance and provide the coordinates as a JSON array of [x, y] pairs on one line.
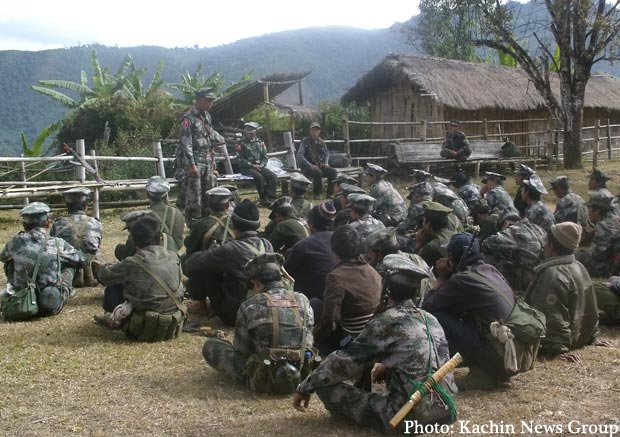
[[336, 56]]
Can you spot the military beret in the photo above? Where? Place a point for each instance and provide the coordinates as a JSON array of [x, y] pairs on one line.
[[421, 175], [599, 198], [264, 262], [374, 170], [435, 208], [493, 176], [397, 263], [343, 178], [34, 212], [76, 193], [559, 181], [207, 93], [298, 180], [382, 240], [251, 126], [524, 170], [358, 199], [536, 184], [157, 185], [598, 175], [347, 189], [314, 124], [218, 195]]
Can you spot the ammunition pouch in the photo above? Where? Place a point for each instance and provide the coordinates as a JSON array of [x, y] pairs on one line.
[[151, 326], [279, 372]]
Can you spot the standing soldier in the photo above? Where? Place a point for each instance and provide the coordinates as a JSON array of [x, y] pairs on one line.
[[455, 145], [390, 207], [523, 173], [570, 207], [313, 159], [80, 231], [537, 212], [197, 141], [252, 158]]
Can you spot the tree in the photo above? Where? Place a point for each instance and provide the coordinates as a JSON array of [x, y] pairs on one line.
[[574, 36]]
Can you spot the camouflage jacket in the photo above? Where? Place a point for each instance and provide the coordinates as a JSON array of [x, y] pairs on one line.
[[470, 193], [342, 217], [21, 252], [456, 142], [197, 136], [302, 206], [518, 201], [571, 208], [499, 200], [389, 201], [539, 214], [251, 152], [366, 225], [80, 231], [413, 220], [461, 211], [605, 246]]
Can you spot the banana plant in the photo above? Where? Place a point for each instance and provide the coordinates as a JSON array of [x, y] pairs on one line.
[[37, 146]]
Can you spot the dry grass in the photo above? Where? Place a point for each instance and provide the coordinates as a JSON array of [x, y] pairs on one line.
[[66, 376]]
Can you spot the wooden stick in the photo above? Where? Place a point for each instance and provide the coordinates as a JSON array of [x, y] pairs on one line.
[[416, 397]]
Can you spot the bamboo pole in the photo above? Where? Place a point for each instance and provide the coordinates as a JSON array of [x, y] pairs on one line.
[[161, 171], [22, 175], [96, 190], [80, 148], [595, 145], [608, 132], [347, 137]]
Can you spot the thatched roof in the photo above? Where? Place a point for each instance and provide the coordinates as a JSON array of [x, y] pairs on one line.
[[237, 104], [301, 113], [469, 86]]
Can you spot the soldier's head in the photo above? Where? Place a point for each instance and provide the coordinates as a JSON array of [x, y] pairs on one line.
[[76, 199], [299, 184], [435, 216], [560, 186], [263, 269], [342, 178], [460, 244], [533, 189], [245, 217], [599, 205], [597, 180], [402, 278], [480, 211], [361, 204], [507, 219], [445, 196], [314, 131], [250, 129], [373, 173], [418, 176], [218, 199], [346, 243], [455, 125], [35, 215], [205, 98], [281, 209], [523, 172], [343, 195], [381, 243], [491, 180], [420, 192], [145, 231], [321, 217], [459, 179], [563, 239], [157, 189]]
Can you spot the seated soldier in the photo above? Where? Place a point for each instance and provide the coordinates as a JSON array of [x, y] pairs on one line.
[[171, 219], [361, 219], [563, 291], [272, 342], [313, 160], [124, 250], [341, 198], [418, 194], [80, 231], [496, 196], [484, 219], [522, 173], [455, 145], [570, 207], [49, 262], [299, 185], [390, 207], [536, 211], [608, 300], [470, 193], [597, 182], [434, 234], [289, 228], [144, 291], [351, 296], [418, 176], [342, 178], [253, 159], [405, 344], [459, 216]]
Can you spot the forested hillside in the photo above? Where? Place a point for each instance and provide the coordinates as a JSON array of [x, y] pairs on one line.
[[336, 56]]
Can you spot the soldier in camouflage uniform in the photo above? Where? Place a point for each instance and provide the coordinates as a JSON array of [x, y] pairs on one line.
[[455, 145], [537, 212], [343, 216], [434, 234], [58, 260], [496, 196], [523, 173], [468, 192], [484, 219], [342, 178], [406, 344], [597, 182], [252, 158], [608, 300], [196, 154], [460, 212], [418, 176], [283, 341], [418, 193], [570, 207], [289, 228], [602, 257], [80, 231], [299, 185], [361, 219], [515, 250], [171, 219], [313, 160], [390, 207]]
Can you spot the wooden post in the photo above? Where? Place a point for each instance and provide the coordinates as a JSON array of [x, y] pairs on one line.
[[424, 131], [161, 171], [301, 96], [485, 129], [595, 144], [550, 148], [96, 191], [347, 145], [22, 175], [291, 125], [290, 145], [80, 149], [608, 139], [267, 117]]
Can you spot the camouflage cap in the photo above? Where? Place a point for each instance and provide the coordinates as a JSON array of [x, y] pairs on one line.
[[343, 178], [363, 200], [281, 205], [374, 170], [421, 175], [507, 215], [536, 184], [347, 189], [455, 123], [230, 187], [524, 170], [443, 192], [382, 240], [559, 181], [207, 93], [598, 175], [441, 180], [157, 185], [132, 216], [251, 126], [601, 199], [34, 212], [421, 188], [298, 180], [314, 124], [396, 263], [264, 262], [435, 208], [75, 194], [493, 176], [218, 195]]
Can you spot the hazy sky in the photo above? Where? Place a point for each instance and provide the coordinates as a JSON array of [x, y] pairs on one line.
[[40, 25]]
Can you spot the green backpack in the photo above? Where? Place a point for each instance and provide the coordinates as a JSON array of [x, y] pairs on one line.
[[527, 323]]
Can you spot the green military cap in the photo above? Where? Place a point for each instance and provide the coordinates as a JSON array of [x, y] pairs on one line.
[[524, 170], [343, 178], [559, 181], [347, 189], [435, 208], [375, 170], [421, 175], [314, 124], [382, 240], [157, 185], [397, 263], [207, 93], [421, 188], [298, 180], [76, 193], [535, 183], [218, 195], [359, 199], [599, 198], [251, 126], [598, 175], [493, 176], [34, 212], [132, 216], [264, 262]]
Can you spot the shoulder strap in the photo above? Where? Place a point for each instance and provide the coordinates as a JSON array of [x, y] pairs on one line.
[[212, 229], [162, 284], [275, 317], [254, 250], [38, 263]]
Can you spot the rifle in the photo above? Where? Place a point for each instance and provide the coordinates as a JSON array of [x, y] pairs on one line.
[[461, 265], [89, 168]]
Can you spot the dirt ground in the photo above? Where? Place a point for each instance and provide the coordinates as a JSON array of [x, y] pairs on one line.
[[64, 375]]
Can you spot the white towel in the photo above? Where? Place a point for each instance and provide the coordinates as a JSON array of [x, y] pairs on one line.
[[505, 336]]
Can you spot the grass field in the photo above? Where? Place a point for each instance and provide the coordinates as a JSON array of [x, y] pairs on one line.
[[64, 375]]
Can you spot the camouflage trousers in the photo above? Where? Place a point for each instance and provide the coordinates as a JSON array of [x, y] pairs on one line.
[[609, 302], [193, 192], [52, 298], [223, 357]]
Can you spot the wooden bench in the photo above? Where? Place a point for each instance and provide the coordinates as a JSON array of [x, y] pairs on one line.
[[427, 154]]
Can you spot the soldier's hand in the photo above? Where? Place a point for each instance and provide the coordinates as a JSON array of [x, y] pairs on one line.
[[315, 168], [571, 358], [603, 343], [192, 171], [443, 267], [301, 401]]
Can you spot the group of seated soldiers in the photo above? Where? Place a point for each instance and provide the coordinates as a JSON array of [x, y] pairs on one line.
[[357, 288]]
